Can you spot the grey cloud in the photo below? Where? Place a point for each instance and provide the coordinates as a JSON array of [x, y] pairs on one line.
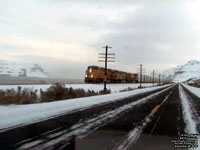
[[154, 33], [141, 38], [56, 67]]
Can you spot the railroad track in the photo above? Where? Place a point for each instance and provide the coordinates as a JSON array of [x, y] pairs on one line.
[[178, 114], [133, 124], [64, 136], [142, 122], [152, 130]]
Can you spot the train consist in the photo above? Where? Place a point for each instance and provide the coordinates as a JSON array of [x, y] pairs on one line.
[[95, 74]]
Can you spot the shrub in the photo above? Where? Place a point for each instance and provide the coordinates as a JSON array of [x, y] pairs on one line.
[[53, 93], [60, 92], [27, 96], [108, 91]]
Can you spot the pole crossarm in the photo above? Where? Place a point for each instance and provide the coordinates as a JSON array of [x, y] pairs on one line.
[[107, 57], [107, 47], [107, 54], [104, 61]]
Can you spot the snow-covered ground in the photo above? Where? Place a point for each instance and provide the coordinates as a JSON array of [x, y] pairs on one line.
[[188, 114], [184, 72], [95, 87], [15, 115], [193, 90]]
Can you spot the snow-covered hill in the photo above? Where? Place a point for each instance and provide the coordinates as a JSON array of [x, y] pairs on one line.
[[13, 69], [191, 70]]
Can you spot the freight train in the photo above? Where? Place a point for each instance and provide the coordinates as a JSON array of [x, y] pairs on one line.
[[95, 74]]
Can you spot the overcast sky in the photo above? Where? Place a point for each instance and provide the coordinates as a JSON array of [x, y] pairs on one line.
[[65, 36]]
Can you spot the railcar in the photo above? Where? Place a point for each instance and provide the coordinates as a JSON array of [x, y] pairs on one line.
[[95, 74]]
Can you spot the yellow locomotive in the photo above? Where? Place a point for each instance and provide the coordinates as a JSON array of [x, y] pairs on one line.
[[95, 74]]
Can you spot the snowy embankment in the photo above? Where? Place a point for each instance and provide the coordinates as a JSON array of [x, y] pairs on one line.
[[187, 112], [16, 115], [193, 90], [95, 87]]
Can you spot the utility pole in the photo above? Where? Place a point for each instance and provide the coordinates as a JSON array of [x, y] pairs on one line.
[[159, 78], [140, 72], [141, 75], [106, 59], [153, 76], [163, 79]]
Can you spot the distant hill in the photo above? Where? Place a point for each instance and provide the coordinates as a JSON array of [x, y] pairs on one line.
[[189, 71], [13, 69]]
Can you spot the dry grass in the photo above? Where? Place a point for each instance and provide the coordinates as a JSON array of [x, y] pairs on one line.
[[54, 93], [26, 96], [59, 92]]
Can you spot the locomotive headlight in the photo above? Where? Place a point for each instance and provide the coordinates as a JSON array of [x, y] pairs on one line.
[[92, 76], [86, 76], [90, 70]]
